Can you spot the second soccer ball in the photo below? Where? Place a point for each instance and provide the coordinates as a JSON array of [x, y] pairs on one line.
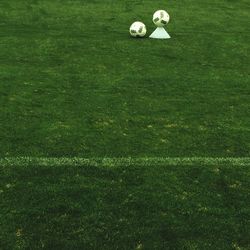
[[161, 18]]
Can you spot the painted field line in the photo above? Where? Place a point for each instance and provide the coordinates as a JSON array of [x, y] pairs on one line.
[[129, 161]]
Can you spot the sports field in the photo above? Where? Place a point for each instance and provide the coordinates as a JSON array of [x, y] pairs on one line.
[[111, 142]]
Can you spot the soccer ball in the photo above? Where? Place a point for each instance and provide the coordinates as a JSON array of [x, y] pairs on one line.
[[161, 18], [138, 29]]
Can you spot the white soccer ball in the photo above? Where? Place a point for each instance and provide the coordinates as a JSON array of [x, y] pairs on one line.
[[138, 29], [161, 18]]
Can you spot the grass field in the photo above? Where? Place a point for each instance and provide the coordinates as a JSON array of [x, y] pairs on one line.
[[163, 203], [109, 142]]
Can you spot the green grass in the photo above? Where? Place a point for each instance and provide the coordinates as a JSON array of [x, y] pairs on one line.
[[125, 204], [109, 142], [73, 83]]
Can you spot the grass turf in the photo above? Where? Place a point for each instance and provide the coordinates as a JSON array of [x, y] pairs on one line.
[[125, 204], [73, 83]]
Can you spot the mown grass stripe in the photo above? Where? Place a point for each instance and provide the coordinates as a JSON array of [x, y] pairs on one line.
[[116, 162]]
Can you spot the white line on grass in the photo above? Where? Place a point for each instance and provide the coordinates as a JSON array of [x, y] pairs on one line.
[[129, 161]]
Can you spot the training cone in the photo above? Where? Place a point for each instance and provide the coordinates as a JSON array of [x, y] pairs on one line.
[[160, 33]]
